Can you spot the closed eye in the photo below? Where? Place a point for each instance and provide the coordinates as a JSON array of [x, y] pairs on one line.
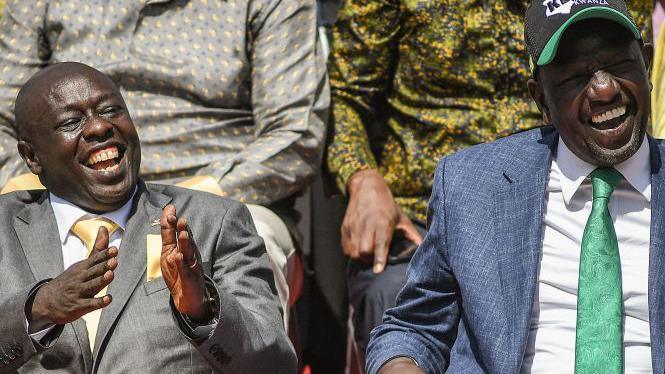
[[573, 80], [69, 124], [110, 111]]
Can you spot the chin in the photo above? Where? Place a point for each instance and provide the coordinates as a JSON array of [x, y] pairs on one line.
[[108, 198], [610, 157]]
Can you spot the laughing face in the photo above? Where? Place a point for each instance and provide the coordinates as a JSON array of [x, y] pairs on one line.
[[78, 137], [596, 92]]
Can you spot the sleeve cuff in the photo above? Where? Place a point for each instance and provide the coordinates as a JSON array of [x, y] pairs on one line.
[[45, 338], [347, 170], [194, 331], [399, 344], [38, 336]]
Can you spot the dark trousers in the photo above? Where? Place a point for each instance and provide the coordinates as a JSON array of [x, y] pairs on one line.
[[370, 295]]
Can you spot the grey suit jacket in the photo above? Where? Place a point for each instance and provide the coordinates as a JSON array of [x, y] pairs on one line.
[[137, 331]]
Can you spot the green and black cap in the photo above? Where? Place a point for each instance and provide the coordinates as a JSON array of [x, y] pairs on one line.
[[547, 20]]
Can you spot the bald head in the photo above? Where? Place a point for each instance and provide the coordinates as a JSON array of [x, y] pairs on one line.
[[78, 137], [34, 98]]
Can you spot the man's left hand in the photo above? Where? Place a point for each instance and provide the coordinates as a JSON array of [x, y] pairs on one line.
[[181, 267]]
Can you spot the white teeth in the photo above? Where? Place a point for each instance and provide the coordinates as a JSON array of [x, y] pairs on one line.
[[110, 168], [102, 155], [609, 115]]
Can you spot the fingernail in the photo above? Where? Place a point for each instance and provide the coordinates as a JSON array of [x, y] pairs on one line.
[[377, 268]]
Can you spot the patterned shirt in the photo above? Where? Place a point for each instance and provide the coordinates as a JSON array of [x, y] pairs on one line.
[[414, 80], [234, 89]]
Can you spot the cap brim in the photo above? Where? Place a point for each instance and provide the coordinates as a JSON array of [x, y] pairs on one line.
[[548, 53]]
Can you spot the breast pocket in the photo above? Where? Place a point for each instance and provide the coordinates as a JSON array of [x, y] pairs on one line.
[[154, 285]]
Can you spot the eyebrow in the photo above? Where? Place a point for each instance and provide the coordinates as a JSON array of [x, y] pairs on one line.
[[97, 100]]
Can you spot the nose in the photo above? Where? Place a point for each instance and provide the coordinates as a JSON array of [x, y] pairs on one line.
[[97, 128], [603, 88]]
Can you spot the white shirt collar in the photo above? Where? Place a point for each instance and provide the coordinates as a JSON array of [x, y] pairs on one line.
[[66, 214], [636, 170]]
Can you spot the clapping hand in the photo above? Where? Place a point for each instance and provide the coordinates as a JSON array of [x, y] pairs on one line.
[[71, 295], [181, 267]]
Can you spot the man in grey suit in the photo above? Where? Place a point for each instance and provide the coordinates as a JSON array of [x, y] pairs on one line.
[[149, 291], [545, 249]]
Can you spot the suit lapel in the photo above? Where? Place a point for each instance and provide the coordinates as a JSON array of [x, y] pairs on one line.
[[519, 209], [657, 260], [37, 231], [131, 261]]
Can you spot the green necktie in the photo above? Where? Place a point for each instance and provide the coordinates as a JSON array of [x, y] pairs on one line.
[[599, 334]]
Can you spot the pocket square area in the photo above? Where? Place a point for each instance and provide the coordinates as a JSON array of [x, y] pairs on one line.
[[154, 252]]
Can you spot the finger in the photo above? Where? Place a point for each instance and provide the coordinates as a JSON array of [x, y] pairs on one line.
[[102, 256], [93, 286], [186, 244], [100, 268], [97, 303], [365, 243], [345, 234], [175, 261], [381, 247], [101, 241], [410, 230], [168, 227]]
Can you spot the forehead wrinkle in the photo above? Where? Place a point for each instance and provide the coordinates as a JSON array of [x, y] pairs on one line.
[[70, 92]]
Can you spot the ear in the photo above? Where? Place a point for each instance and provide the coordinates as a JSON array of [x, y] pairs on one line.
[[538, 95], [28, 155], [647, 56]]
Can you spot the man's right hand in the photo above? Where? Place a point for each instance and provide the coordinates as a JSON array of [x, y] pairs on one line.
[[72, 294], [371, 218]]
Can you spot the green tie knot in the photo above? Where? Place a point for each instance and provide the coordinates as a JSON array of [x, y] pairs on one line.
[[603, 181]]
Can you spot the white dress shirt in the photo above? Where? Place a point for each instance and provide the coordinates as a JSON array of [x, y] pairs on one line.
[[73, 248], [551, 344], [67, 214]]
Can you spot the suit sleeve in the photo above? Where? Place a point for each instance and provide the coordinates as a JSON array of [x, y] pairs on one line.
[[249, 336], [423, 324], [16, 345]]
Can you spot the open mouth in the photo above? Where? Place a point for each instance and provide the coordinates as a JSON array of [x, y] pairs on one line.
[[612, 118], [106, 159]]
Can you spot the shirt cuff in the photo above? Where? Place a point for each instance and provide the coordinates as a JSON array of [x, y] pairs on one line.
[[38, 336]]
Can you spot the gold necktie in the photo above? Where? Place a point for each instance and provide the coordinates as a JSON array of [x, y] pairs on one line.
[[86, 230]]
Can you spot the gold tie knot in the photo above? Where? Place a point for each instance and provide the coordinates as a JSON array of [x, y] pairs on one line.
[[86, 229]]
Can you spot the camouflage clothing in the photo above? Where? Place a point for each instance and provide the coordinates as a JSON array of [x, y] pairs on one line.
[[415, 80]]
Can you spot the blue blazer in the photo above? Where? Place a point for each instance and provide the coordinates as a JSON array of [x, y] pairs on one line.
[[470, 289]]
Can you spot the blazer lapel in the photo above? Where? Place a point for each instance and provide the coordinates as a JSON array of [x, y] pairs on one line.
[[131, 261], [657, 260], [520, 203], [37, 231]]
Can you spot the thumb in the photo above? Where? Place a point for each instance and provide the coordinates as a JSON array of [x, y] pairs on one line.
[[409, 229], [101, 241]]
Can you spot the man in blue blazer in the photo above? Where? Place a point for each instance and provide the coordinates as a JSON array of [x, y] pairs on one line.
[[543, 253]]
